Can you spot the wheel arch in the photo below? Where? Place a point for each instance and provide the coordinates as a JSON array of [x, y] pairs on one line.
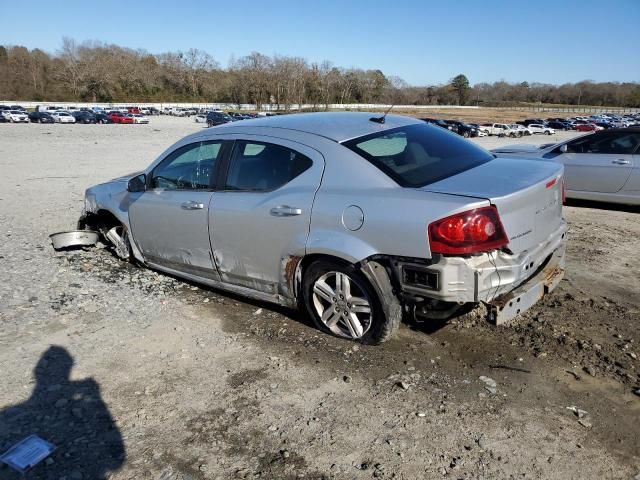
[[375, 269]]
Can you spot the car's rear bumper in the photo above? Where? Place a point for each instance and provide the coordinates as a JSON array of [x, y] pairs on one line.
[[492, 278], [505, 307]]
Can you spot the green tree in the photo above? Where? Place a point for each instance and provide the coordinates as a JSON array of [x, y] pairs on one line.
[[460, 85]]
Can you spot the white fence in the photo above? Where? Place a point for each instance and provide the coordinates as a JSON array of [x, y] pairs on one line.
[[233, 106]]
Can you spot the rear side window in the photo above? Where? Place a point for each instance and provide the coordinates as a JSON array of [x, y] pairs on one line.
[[262, 167], [418, 155]]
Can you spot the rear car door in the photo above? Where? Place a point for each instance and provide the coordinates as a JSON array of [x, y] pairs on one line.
[[169, 221], [601, 162], [260, 218]]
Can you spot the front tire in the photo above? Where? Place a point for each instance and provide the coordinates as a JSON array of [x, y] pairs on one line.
[[342, 302]]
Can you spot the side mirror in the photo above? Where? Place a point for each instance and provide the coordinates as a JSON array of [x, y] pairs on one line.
[[137, 184], [563, 148]]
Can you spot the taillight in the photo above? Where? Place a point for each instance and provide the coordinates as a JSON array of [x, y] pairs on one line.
[[564, 191], [474, 231]]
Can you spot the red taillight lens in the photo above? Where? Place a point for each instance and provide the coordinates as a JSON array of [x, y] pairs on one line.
[[564, 192], [474, 231]]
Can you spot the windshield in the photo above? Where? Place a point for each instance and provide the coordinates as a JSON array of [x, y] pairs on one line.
[[417, 155]]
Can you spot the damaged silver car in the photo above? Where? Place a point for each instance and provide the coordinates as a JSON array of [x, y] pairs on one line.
[[357, 218]]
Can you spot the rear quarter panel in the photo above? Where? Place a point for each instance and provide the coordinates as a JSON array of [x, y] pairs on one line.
[[395, 219]]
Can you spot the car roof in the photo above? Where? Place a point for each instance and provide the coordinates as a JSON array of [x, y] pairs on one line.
[[336, 126]]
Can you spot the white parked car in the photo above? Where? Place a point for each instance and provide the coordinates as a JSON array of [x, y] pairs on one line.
[[63, 117], [139, 118], [521, 130], [145, 110], [200, 119], [537, 128], [499, 129], [46, 108], [602, 166], [15, 116]]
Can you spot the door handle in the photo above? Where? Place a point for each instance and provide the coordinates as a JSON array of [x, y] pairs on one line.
[[621, 161], [191, 205], [285, 211]]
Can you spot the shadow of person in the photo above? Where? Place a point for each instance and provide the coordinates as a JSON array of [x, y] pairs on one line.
[[69, 414]]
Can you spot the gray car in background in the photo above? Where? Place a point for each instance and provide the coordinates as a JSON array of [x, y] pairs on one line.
[[602, 166], [355, 218]]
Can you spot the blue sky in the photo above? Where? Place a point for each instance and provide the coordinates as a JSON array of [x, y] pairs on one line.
[[424, 42]]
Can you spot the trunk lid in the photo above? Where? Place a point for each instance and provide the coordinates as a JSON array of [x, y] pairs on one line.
[[527, 194]]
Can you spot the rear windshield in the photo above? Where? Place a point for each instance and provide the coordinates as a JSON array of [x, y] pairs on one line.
[[417, 155]]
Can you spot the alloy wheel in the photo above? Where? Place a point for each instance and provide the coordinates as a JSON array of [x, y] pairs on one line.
[[342, 305]]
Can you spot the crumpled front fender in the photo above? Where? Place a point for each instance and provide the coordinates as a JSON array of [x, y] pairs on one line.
[[114, 198]]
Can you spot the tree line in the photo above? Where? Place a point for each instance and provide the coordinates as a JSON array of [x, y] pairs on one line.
[[99, 72]]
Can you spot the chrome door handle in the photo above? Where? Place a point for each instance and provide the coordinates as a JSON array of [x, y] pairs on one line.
[[285, 211], [620, 161], [192, 205]]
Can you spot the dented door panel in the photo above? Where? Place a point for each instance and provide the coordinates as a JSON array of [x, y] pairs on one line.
[[253, 233], [171, 235]]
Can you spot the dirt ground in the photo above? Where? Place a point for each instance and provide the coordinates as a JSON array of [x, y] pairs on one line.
[[136, 375]]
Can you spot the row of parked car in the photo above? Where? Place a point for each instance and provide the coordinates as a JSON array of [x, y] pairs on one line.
[[485, 129], [532, 126], [131, 114], [17, 114]]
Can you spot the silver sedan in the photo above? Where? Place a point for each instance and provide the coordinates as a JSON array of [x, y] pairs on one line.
[[356, 218], [602, 166]]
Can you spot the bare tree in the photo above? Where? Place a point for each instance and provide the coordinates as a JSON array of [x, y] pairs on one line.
[[96, 71]]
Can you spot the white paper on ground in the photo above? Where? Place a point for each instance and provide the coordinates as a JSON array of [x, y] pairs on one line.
[[27, 453]]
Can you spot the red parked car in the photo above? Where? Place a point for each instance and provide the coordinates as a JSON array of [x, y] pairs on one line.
[[587, 127], [133, 109], [118, 117]]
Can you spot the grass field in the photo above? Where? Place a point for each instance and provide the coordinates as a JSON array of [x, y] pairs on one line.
[[498, 115]]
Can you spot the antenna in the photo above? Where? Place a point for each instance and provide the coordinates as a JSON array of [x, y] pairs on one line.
[[381, 119]]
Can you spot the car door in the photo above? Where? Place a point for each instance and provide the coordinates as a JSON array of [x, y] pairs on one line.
[[260, 218], [601, 162], [169, 220]]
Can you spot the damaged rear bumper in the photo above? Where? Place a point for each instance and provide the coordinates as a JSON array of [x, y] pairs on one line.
[[507, 283], [504, 308]]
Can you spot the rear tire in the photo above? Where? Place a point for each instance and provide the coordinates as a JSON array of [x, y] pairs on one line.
[[342, 302]]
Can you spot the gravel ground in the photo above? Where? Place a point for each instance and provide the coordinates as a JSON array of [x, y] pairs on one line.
[[134, 374]]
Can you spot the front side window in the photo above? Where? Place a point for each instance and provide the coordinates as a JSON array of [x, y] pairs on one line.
[[261, 167], [418, 155], [606, 143], [188, 168]]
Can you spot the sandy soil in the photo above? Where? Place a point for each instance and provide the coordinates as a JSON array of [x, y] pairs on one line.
[[173, 381]]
